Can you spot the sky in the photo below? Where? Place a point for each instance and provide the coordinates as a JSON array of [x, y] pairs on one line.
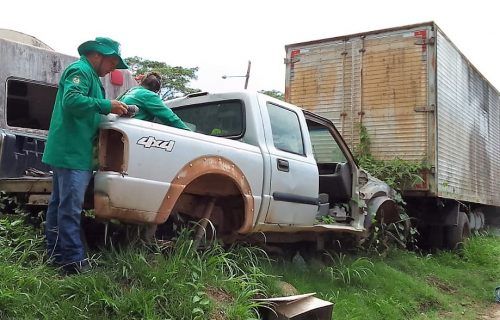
[[220, 37]]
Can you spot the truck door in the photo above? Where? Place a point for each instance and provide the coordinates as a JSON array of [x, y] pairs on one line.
[[294, 174]]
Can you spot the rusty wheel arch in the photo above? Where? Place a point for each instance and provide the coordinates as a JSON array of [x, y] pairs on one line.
[[209, 176]]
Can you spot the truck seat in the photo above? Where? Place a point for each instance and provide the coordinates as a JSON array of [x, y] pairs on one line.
[[336, 184]]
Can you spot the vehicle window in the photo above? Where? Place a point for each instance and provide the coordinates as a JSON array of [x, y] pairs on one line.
[[29, 105], [285, 126], [325, 148], [221, 118]]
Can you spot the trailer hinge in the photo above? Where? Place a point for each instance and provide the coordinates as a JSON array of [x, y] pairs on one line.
[[421, 41], [430, 108], [293, 60]]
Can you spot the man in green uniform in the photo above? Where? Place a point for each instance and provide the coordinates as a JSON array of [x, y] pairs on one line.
[[150, 105], [80, 101]]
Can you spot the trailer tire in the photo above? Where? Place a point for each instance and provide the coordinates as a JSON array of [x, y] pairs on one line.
[[456, 235], [473, 223]]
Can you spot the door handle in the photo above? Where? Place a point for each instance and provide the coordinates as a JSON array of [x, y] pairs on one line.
[[283, 165]]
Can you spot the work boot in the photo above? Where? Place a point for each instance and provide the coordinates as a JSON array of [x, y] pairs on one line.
[[54, 263], [76, 268]]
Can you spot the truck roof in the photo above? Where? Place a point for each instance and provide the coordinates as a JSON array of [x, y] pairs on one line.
[[345, 37], [23, 38], [203, 97]]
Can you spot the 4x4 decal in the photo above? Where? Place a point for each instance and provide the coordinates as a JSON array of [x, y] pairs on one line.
[[151, 142]]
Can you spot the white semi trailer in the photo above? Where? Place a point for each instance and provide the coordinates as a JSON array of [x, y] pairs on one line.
[[420, 99]]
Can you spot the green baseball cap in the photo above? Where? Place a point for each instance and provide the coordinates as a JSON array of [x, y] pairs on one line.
[[104, 46]]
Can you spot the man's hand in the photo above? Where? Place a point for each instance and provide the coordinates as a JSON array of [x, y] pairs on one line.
[[118, 107]]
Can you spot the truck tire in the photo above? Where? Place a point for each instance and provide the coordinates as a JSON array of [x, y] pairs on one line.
[[479, 215], [456, 235], [481, 219]]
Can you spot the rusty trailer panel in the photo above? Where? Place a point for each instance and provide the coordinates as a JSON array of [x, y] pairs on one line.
[[418, 97], [376, 80]]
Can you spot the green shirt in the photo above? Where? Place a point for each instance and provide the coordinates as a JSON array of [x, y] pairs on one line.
[[76, 117], [150, 106]]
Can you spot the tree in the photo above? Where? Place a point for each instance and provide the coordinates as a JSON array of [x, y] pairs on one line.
[[274, 93], [175, 80]]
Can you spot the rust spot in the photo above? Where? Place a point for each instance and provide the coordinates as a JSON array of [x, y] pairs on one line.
[[388, 212], [113, 152], [104, 210]]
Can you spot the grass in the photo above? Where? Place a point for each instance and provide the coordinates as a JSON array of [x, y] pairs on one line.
[[173, 281], [346, 270], [406, 285], [141, 282]]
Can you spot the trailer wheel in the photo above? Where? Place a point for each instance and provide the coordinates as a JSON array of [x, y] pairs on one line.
[[456, 235], [473, 222]]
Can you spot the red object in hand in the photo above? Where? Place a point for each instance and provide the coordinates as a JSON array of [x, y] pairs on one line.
[[116, 78]]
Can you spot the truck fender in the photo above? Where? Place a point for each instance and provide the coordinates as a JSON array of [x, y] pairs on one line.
[[203, 166]]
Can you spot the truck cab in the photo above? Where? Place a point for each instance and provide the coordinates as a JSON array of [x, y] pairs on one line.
[[29, 72], [29, 75], [268, 166]]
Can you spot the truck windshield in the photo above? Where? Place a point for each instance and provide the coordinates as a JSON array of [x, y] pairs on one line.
[[325, 148], [220, 118]]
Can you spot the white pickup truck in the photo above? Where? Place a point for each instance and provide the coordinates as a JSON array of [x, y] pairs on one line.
[[252, 165]]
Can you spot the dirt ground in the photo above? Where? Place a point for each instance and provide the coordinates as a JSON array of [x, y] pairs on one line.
[[492, 314]]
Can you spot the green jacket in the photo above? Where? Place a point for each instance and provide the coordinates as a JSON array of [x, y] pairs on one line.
[[150, 106], [76, 117]]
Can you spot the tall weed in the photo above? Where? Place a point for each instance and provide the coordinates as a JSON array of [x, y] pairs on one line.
[[156, 281], [481, 250], [20, 243], [346, 270]]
